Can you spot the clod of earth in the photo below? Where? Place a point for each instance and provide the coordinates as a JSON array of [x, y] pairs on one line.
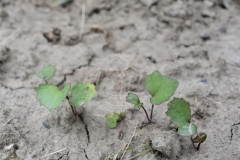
[[53, 36], [165, 142]]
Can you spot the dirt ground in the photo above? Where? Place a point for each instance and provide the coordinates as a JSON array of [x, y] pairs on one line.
[[195, 41]]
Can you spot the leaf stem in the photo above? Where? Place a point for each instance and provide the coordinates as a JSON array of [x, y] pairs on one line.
[[151, 112], [149, 121]]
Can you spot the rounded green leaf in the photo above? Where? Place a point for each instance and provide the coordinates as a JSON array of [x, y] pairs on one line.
[[47, 72], [112, 120], [187, 129], [179, 111], [200, 138], [50, 96], [160, 87], [81, 93], [133, 98]]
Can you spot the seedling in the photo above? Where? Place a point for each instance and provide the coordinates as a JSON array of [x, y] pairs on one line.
[[47, 73], [113, 118], [161, 89], [51, 97], [180, 113]]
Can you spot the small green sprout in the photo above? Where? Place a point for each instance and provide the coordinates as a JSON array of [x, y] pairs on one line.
[[51, 97], [180, 113], [161, 89], [113, 118], [200, 138], [47, 72]]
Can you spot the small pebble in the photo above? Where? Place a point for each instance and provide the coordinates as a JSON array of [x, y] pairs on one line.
[[223, 30], [205, 37], [204, 80], [153, 60], [208, 13], [73, 40], [46, 125]]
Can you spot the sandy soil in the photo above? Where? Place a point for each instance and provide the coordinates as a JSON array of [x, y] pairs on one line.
[[196, 42]]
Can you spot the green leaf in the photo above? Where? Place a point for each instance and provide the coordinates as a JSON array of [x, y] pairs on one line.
[[187, 129], [179, 111], [200, 138], [133, 98], [160, 87], [47, 72], [112, 120], [81, 93], [50, 96]]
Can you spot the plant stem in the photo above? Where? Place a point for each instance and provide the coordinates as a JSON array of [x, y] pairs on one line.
[[198, 147], [149, 121], [75, 113], [151, 112], [193, 143]]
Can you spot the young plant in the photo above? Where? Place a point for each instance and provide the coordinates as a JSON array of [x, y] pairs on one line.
[[47, 73], [161, 89], [51, 97], [180, 113], [113, 118]]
